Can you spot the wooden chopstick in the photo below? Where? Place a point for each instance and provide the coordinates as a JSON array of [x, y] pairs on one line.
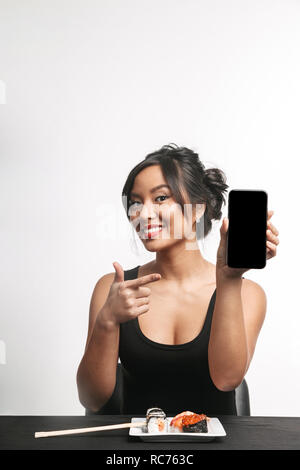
[[65, 432]]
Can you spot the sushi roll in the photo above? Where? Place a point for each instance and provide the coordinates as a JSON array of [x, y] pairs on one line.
[[176, 422], [156, 420], [194, 423], [157, 425]]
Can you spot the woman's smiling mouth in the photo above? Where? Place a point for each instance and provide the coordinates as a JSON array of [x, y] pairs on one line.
[[151, 230]]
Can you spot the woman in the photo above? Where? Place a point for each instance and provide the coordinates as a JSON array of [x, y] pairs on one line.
[[185, 329]]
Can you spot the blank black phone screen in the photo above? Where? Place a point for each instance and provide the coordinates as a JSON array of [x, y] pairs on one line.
[[246, 236]]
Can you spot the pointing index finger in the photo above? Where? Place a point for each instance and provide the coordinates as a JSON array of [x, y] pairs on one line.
[[140, 281]]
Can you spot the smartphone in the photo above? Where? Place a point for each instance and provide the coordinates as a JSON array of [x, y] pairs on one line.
[[247, 230]]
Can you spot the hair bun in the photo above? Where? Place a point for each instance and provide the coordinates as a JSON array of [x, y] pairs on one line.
[[215, 180], [214, 176]]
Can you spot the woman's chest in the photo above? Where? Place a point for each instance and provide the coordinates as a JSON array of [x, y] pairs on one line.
[[175, 317]]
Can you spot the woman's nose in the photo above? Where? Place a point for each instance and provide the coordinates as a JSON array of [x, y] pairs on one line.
[[149, 211]]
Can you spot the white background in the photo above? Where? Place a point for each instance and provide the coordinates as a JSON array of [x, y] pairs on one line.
[[91, 88]]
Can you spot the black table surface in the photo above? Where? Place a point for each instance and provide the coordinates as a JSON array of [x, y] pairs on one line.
[[242, 433]]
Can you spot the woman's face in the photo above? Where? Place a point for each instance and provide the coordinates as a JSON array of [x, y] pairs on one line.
[[152, 205]]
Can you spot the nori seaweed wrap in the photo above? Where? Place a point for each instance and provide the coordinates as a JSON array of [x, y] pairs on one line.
[[194, 423]]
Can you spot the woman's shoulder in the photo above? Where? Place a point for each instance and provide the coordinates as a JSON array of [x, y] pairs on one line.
[[254, 300], [107, 279], [250, 287]]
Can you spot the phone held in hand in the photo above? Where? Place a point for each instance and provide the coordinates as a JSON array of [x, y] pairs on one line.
[[246, 235]]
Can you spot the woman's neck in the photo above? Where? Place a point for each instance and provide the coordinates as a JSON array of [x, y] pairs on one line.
[[179, 264]]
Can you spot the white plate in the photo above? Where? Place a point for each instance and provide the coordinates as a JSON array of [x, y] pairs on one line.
[[214, 428]]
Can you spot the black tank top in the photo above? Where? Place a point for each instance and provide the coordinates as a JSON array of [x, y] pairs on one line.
[[173, 377]]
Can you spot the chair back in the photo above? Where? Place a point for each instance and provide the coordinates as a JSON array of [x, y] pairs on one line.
[[242, 399]]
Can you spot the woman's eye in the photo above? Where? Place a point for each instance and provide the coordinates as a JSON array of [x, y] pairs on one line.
[[131, 203], [163, 196]]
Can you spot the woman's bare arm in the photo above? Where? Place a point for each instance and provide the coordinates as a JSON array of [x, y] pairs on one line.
[[114, 301], [96, 373], [239, 313]]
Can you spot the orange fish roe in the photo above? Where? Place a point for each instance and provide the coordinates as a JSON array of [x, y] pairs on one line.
[[192, 419], [177, 420], [161, 424]]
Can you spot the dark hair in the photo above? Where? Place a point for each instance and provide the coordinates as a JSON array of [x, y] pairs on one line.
[[183, 170]]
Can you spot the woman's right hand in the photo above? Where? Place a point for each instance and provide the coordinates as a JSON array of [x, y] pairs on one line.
[[127, 299]]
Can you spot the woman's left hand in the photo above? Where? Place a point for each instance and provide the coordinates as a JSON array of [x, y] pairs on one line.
[[223, 269]]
